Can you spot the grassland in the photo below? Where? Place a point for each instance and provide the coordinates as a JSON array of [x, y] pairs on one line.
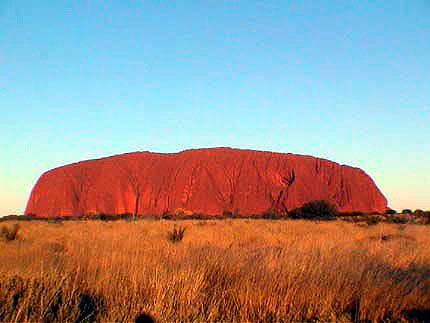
[[225, 270]]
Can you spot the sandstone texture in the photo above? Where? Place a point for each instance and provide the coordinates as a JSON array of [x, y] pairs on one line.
[[208, 181]]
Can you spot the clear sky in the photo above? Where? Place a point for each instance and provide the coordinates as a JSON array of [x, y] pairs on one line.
[[343, 80]]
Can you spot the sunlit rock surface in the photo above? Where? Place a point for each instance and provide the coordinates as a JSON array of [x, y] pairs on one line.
[[208, 181]]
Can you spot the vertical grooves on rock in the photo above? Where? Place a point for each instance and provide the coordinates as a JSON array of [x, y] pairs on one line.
[[207, 180], [136, 205]]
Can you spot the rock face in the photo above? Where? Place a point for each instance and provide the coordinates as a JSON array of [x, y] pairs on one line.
[[208, 181]]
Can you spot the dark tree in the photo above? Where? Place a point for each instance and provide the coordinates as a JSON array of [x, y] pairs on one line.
[[315, 210]]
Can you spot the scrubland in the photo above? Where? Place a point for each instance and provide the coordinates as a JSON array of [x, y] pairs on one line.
[[223, 270]]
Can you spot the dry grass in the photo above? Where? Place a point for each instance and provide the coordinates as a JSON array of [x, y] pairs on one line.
[[229, 270]]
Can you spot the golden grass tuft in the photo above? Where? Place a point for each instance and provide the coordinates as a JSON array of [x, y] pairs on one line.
[[227, 270]]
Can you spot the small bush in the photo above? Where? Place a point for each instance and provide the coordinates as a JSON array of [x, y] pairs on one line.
[[407, 211], [386, 237], [419, 212], [400, 219], [321, 210], [352, 214], [227, 214], [144, 318], [372, 221], [166, 215], [176, 235], [55, 220], [390, 211], [427, 216], [88, 308], [10, 234], [231, 214], [271, 214]]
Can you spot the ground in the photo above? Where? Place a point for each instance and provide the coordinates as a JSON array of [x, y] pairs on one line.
[[223, 270]]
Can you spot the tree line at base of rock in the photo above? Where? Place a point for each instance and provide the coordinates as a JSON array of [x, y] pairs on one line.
[[313, 210]]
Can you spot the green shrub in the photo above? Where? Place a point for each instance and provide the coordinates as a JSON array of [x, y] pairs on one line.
[[352, 214], [407, 211], [372, 221], [426, 216], [176, 235], [271, 214], [320, 209], [55, 220], [390, 211], [227, 214], [419, 212], [399, 219], [10, 234], [166, 215]]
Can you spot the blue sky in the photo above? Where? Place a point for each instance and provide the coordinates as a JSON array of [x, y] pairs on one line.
[[344, 80]]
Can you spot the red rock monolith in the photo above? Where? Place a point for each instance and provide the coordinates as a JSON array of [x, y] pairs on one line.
[[207, 181]]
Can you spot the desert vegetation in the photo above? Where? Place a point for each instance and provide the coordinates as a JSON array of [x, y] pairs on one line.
[[312, 210], [315, 210], [176, 235], [9, 234], [232, 270]]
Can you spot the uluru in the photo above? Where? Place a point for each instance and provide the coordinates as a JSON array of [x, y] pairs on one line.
[[206, 181]]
